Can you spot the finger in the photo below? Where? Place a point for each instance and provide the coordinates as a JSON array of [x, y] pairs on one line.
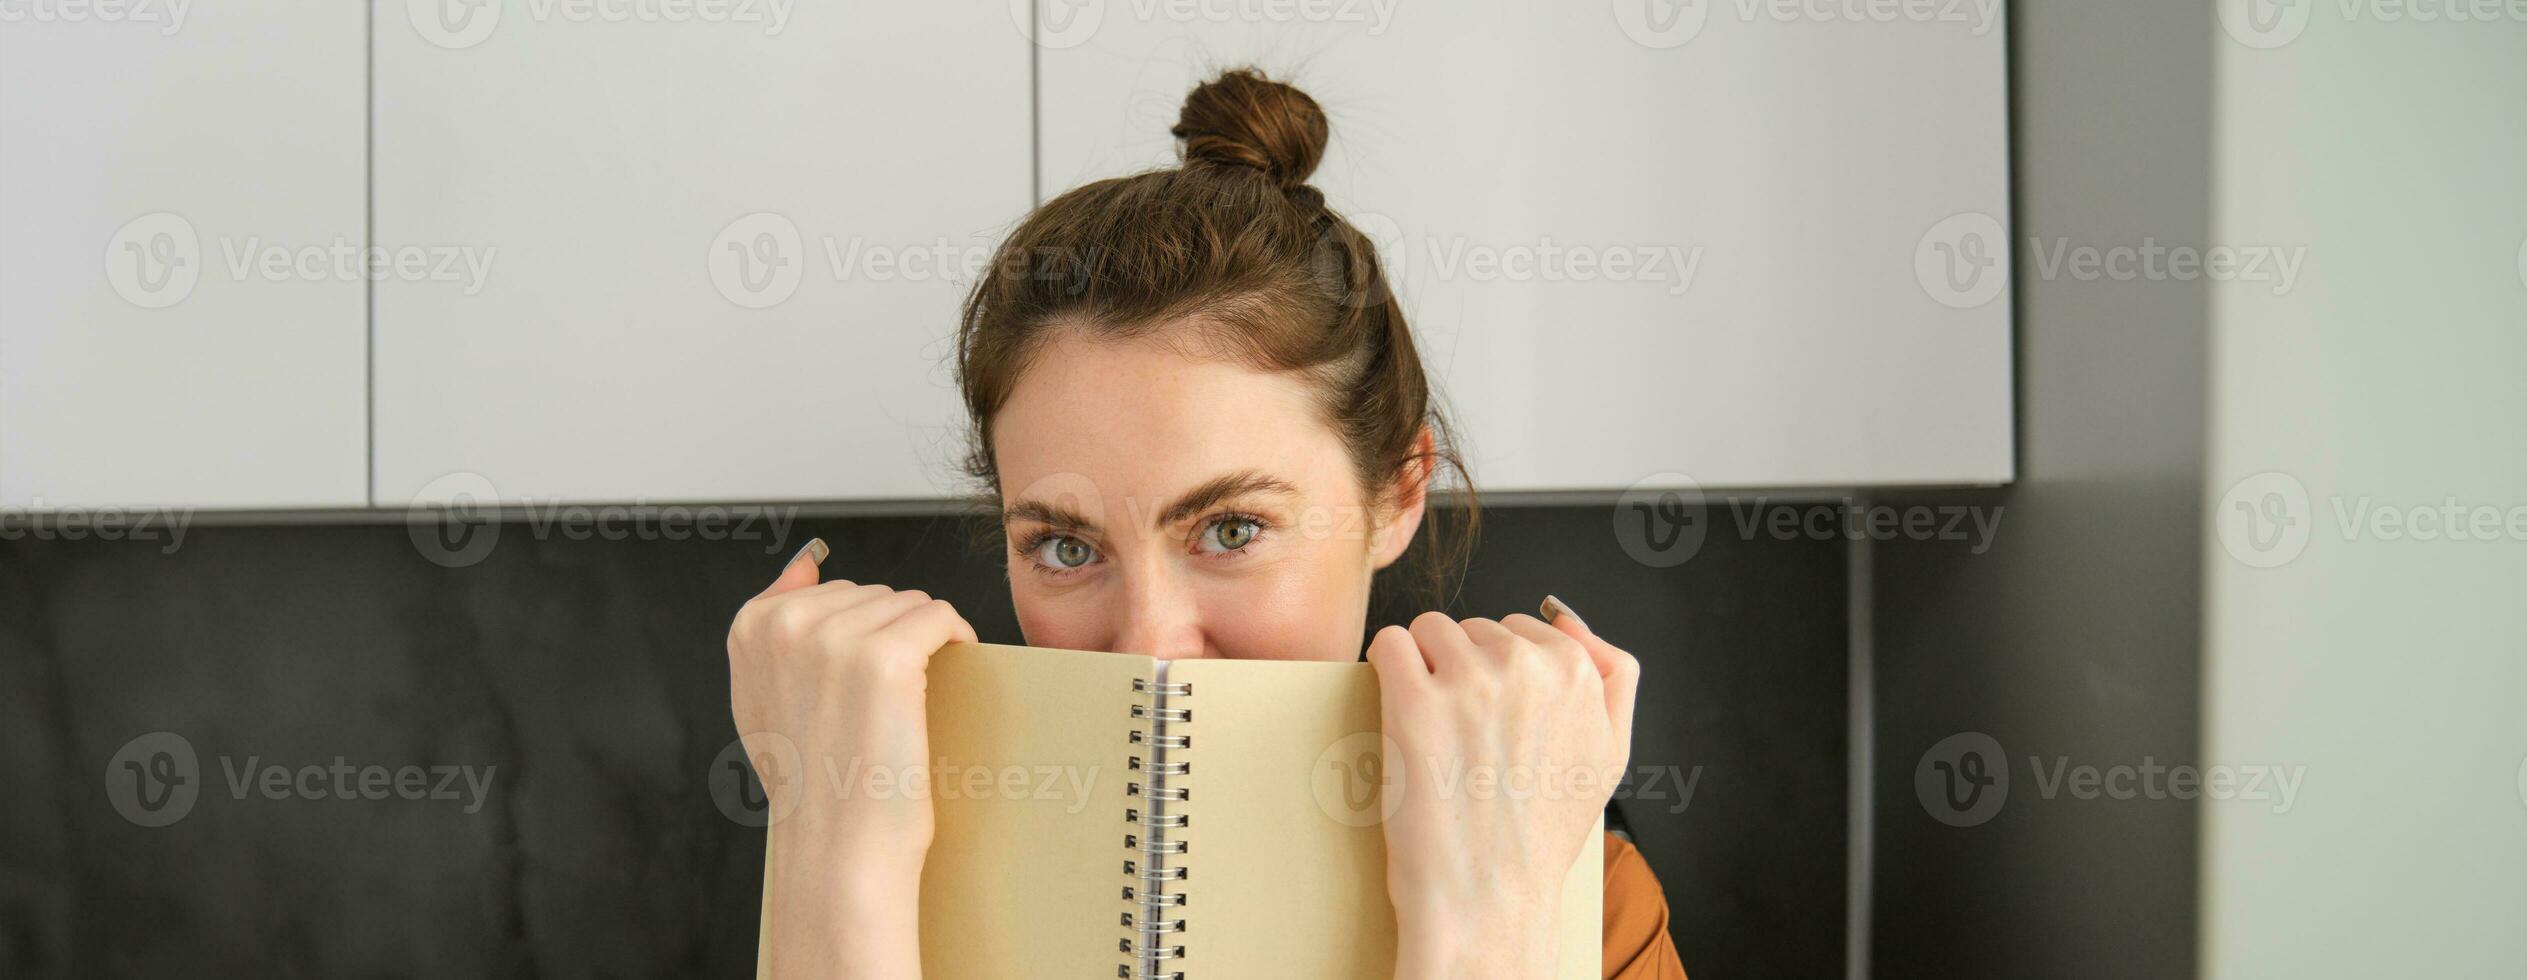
[[876, 612], [1553, 642], [930, 625], [1621, 672], [1486, 633], [835, 596], [802, 570], [1398, 660], [1443, 643]]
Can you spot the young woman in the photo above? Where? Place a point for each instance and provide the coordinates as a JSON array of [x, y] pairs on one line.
[[1208, 429]]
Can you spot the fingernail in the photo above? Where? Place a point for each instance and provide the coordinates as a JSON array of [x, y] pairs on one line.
[[1555, 608], [814, 552]]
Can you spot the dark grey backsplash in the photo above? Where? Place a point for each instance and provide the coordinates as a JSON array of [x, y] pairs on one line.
[[582, 686]]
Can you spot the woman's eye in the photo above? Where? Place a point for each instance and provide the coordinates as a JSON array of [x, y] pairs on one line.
[[1065, 552], [1231, 533]]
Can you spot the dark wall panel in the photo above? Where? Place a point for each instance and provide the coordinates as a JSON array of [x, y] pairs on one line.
[[2074, 641], [581, 684]]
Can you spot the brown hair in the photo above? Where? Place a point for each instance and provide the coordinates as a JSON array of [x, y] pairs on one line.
[[1237, 247]]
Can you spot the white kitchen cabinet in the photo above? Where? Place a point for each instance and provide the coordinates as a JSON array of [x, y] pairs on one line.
[[1540, 176], [723, 254], [182, 316]]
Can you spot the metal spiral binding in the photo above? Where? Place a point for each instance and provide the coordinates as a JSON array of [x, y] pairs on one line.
[[1148, 870]]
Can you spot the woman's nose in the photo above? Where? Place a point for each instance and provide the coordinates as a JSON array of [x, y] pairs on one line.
[[1158, 619]]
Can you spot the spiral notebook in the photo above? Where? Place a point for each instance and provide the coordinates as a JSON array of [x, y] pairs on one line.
[[1110, 815]]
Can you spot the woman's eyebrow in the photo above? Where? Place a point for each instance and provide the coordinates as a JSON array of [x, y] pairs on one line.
[[1223, 487], [1211, 492], [1061, 516]]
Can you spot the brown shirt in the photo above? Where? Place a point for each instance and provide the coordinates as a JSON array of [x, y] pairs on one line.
[[1637, 945]]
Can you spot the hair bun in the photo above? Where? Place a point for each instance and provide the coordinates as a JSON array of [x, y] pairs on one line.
[[1243, 119]]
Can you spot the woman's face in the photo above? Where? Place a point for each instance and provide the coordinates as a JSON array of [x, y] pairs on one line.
[[1178, 507]]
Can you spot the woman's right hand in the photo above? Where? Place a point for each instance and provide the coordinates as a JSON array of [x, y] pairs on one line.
[[839, 670]]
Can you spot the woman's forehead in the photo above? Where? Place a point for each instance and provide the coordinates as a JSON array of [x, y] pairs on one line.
[[1141, 423]]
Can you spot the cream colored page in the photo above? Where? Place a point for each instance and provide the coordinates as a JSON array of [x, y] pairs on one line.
[[1287, 853], [1027, 883], [1025, 875]]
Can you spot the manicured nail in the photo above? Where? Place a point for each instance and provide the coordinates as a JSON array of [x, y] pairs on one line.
[[1555, 608], [814, 552]]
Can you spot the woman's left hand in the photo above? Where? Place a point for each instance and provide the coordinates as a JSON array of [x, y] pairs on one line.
[[1512, 733]]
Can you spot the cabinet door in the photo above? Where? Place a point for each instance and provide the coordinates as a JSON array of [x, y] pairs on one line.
[[183, 320], [1638, 243], [718, 249]]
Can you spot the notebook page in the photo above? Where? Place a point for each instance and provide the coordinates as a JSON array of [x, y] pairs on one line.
[[1027, 883], [1288, 856], [1024, 876]]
